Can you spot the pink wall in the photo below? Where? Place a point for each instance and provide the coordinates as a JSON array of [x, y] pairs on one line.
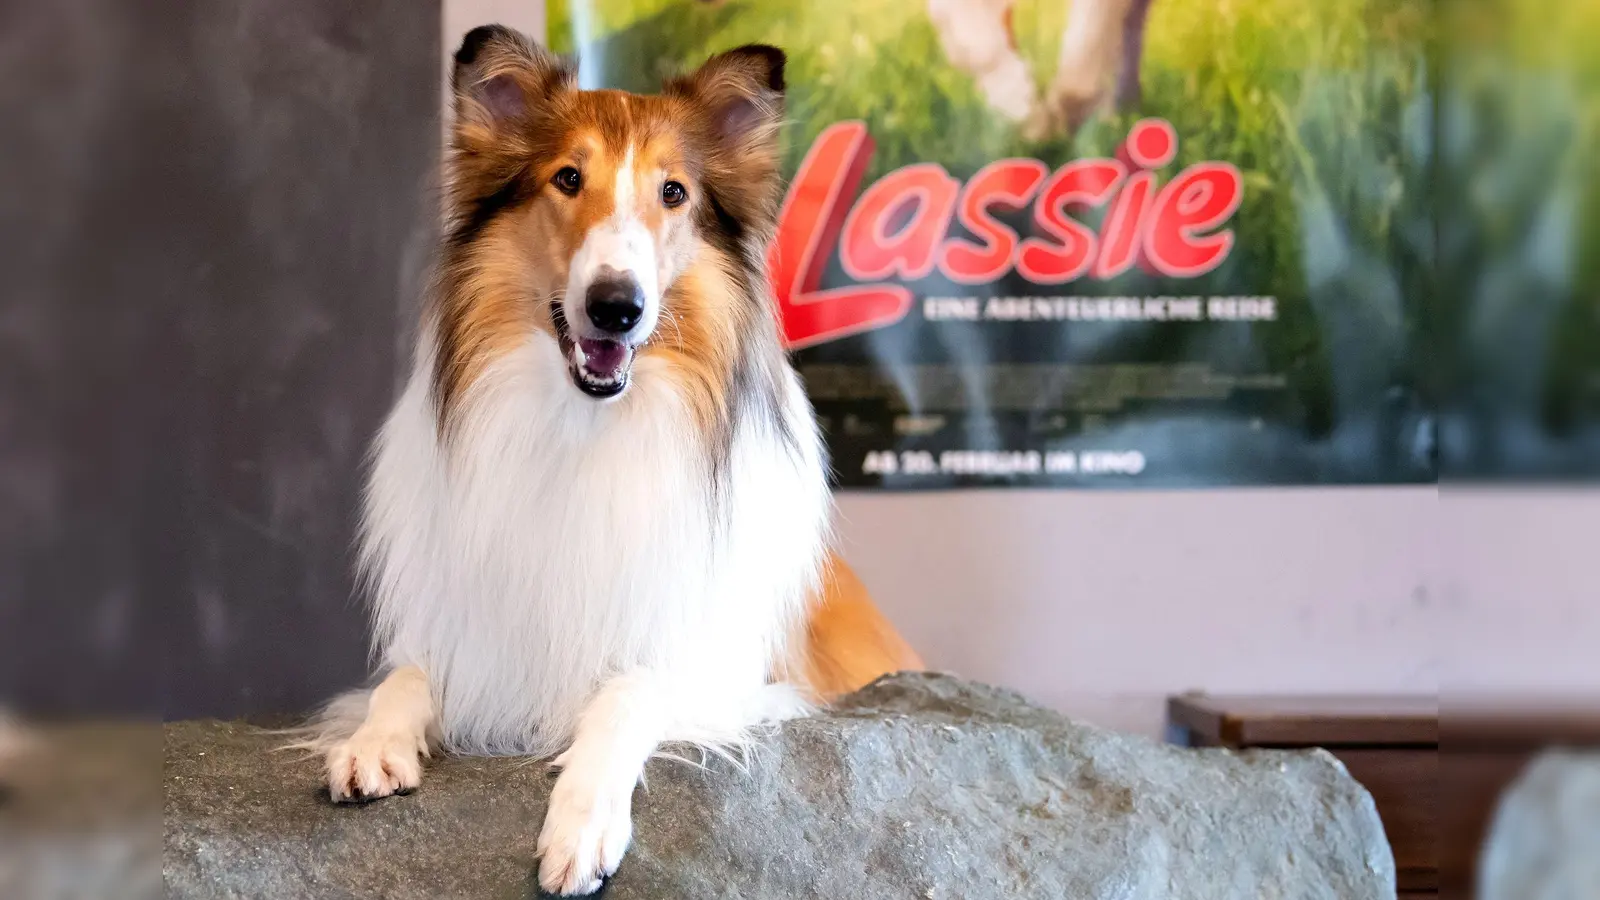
[[1103, 603], [1521, 591]]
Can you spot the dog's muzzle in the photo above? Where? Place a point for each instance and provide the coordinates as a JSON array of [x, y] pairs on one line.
[[600, 348]]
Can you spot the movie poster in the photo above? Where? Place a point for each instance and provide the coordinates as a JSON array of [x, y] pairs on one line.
[[1090, 243], [1516, 344]]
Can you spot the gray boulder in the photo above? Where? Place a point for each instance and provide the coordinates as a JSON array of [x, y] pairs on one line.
[[918, 787], [80, 807], [1544, 842]]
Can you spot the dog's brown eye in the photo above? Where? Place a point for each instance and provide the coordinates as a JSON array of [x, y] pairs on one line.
[[673, 194], [568, 181]]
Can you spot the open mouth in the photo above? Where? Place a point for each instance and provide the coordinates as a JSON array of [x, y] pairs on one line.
[[599, 367]]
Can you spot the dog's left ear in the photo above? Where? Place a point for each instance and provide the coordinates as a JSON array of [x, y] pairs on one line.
[[741, 92], [740, 97], [502, 78]]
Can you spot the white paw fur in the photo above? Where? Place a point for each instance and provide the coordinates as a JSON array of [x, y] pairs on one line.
[[586, 832], [374, 764]]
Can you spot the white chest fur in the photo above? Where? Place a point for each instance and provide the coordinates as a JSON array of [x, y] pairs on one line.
[[556, 541]]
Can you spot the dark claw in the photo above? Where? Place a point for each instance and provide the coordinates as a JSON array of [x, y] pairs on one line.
[[358, 798], [605, 882]]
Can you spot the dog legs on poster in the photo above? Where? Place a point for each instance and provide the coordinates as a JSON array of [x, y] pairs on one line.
[[976, 37], [384, 755], [1130, 90], [1091, 53]]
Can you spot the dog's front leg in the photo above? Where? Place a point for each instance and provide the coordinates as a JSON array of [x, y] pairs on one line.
[[590, 820], [976, 38], [384, 755], [1091, 54]]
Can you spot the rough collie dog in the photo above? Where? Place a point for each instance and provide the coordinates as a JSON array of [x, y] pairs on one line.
[[597, 517]]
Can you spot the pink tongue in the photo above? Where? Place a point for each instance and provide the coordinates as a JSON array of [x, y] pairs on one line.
[[603, 358]]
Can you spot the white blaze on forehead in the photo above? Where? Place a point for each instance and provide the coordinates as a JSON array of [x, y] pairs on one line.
[[621, 242], [624, 193]]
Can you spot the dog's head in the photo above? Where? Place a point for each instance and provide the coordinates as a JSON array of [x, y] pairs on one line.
[[590, 214]]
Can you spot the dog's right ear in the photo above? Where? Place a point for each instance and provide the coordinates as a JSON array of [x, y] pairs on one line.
[[501, 77]]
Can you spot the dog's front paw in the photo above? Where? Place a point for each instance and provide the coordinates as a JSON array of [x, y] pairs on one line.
[[373, 764], [585, 833]]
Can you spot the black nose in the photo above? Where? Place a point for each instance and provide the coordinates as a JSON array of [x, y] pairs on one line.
[[615, 303]]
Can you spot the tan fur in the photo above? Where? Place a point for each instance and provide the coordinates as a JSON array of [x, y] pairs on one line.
[[496, 303], [697, 335], [849, 643]]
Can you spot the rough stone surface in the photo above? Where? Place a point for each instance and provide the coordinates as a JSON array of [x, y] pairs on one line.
[[918, 787], [1544, 842], [80, 808]]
